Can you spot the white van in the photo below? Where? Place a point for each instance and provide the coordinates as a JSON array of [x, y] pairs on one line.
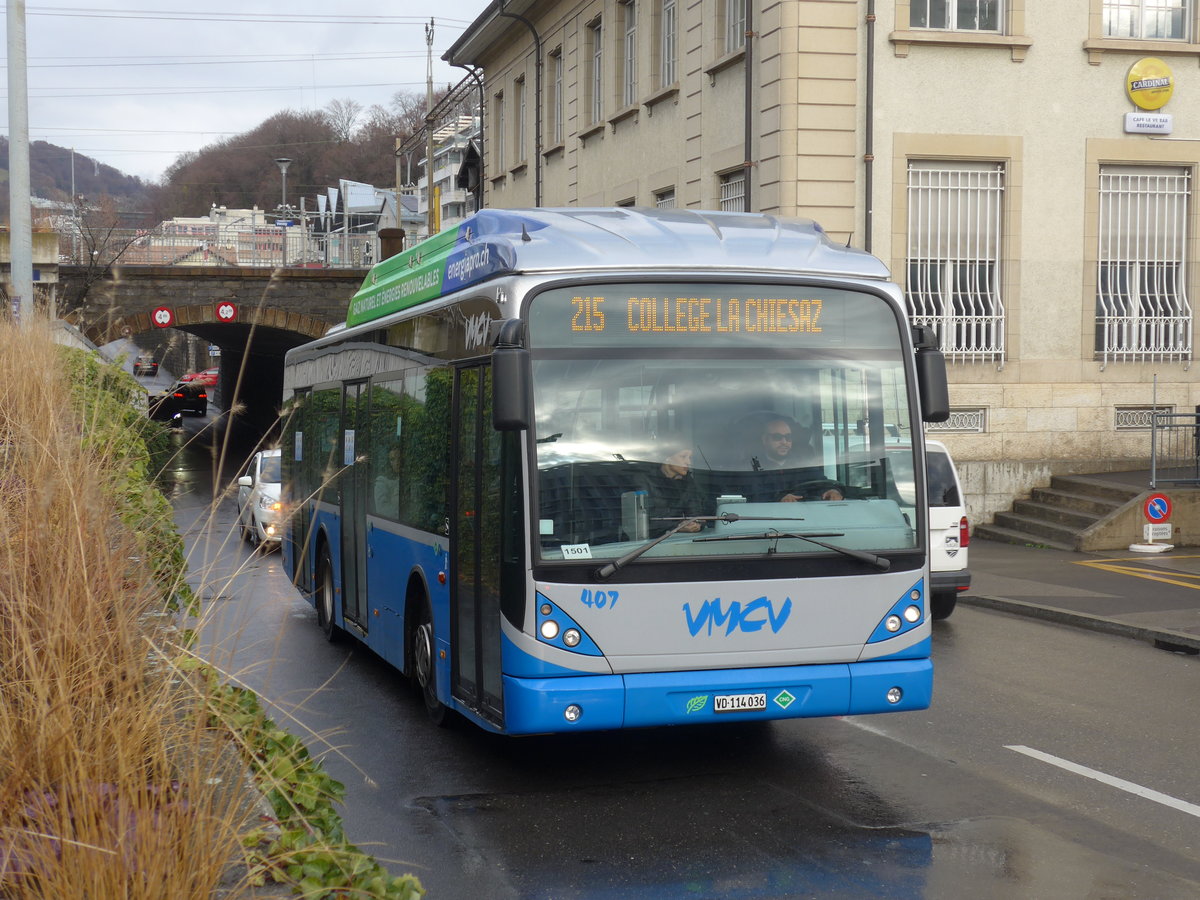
[[948, 526]]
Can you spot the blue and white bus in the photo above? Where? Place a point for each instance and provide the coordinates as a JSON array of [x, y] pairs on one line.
[[473, 463]]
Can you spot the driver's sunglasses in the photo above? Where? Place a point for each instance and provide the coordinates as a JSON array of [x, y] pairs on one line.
[[776, 436]]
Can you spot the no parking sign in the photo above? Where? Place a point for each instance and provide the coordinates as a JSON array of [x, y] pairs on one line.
[[1157, 510]]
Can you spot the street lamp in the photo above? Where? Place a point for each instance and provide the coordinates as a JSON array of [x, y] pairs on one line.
[[283, 162]]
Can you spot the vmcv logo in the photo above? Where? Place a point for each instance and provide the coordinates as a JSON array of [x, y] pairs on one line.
[[735, 617]]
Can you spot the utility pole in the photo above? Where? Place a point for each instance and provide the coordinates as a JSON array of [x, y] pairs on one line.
[[430, 216], [20, 230]]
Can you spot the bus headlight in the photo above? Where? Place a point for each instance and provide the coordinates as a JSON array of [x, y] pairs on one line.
[[571, 637], [895, 695], [573, 712], [549, 629], [912, 614], [892, 623]]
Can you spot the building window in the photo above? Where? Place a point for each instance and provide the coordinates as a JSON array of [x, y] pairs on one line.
[[1142, 309], [955, 226], [499, 118], [956, 15], [595, 77], [665, 199], [629, 54], [556, 95], [519, 87], [666, 44], [733, 191], [735, 25], [1146, 19]]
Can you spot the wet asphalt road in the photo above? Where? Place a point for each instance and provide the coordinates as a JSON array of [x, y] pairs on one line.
[[1054, 763]]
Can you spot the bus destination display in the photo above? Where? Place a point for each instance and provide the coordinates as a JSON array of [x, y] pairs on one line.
[[697, 315]]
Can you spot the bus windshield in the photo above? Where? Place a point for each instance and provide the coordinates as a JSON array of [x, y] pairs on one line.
[[746, 421]]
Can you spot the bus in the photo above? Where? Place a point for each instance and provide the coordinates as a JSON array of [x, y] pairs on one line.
[[472, 460]]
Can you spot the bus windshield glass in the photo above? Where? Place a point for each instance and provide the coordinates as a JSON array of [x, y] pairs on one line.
[[743, 417]]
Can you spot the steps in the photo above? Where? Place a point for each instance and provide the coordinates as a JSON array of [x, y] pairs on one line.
[[1056, 516]]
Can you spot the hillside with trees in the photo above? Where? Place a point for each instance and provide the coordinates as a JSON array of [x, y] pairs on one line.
[[344, 140]]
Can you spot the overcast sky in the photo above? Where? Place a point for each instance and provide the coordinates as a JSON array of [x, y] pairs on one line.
[[135, 86]]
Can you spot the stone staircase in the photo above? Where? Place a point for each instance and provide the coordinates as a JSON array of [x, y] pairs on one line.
[[1056, 516]]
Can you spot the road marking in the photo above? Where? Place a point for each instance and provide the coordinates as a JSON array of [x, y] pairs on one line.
[[1150, 574], [1165, 799]]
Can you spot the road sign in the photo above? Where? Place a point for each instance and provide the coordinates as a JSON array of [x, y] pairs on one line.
[[226, 311], [163, 317], [1152, 532], [1157, 508]]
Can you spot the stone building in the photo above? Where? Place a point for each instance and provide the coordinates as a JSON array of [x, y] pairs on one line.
[[1026, 172]]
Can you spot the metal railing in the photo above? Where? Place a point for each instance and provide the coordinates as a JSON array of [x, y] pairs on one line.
[[1175, 448], [260, 247]]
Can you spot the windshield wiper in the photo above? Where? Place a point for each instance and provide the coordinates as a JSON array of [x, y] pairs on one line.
[[879, 562], [607, 570]]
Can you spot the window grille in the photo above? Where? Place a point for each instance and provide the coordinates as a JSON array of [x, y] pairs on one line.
[[963, 420], [667, 46], [665, 199], [629, 58], [735, 25], [1137, 418], [1142, 309], [1147, 19], [956, 15], [955, 230], [733, 191]]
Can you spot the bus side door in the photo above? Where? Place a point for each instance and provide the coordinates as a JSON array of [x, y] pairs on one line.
[[476, 544], [355, 423]]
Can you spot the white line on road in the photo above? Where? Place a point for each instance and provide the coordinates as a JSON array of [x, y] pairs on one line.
[[1165, 799]]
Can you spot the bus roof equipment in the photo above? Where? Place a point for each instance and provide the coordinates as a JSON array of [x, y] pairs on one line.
[[496, 242]]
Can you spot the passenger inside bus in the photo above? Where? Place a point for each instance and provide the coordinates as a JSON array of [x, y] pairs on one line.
[[672, 493]]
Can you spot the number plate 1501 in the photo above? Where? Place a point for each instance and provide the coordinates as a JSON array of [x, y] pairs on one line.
[[739, 702]]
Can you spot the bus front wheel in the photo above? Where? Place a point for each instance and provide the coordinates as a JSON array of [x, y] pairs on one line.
[[326, 605], [424, 663]]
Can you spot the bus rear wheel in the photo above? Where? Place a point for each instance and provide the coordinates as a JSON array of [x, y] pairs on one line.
[[424, 663], [326, 605]]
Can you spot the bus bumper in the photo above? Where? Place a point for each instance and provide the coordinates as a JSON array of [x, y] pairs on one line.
[[594, 702]]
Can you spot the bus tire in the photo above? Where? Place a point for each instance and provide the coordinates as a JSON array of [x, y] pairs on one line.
[[326, 597], [942, 603], [424, 662]]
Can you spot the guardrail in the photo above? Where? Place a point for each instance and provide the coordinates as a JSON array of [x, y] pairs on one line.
[[1175, 448], [260, 247]]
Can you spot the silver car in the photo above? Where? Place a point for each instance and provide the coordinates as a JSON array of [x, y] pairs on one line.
[[260, 511]]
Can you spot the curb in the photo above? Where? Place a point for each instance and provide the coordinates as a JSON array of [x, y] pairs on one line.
[[1162, 638]]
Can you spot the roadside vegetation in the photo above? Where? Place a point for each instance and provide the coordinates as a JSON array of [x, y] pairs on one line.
[[128, 767]]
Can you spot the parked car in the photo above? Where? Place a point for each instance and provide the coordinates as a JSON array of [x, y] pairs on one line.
[[145, 364], [949, 528], [208, 377], [260, 512], [178, 400]]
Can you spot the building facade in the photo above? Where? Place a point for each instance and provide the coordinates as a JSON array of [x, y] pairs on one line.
[[1027, 173]]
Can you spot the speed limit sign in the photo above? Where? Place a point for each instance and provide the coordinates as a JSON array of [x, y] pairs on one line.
[[163, 317], [226, 311]]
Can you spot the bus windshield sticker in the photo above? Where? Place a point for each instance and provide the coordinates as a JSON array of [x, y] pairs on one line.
[[577, 551]]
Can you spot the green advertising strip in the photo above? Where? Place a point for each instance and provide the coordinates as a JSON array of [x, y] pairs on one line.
[[404, 280]]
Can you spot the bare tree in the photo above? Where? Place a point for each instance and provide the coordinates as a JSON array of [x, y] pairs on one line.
[[341, 116], [99, 241]]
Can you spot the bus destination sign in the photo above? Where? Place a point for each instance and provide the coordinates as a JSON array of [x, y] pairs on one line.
[[698, 315]]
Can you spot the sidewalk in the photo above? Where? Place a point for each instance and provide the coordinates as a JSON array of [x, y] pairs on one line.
[[1153, 597]]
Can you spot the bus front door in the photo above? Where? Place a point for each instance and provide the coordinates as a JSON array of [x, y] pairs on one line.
[[355, 423], [476, 546]]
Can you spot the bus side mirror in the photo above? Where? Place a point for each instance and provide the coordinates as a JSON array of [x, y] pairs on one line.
[[932, 387], [510, 388]]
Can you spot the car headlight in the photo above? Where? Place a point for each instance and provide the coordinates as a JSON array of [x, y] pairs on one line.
[[269, 504]]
